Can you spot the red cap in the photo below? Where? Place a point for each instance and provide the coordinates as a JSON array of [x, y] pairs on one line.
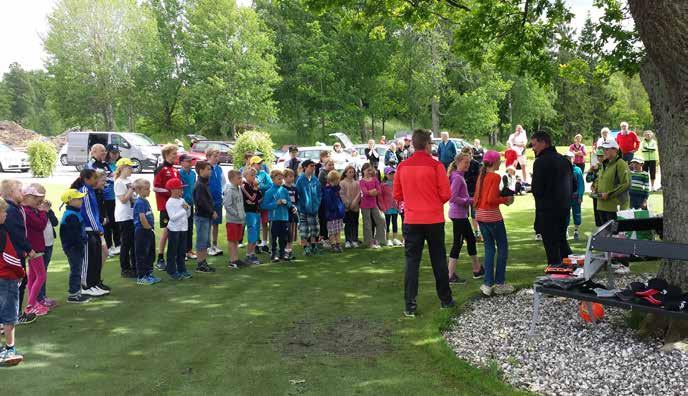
[[174, 184]]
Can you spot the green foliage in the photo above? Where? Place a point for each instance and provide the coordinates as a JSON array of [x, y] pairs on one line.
[[42, 158], [252, 141]]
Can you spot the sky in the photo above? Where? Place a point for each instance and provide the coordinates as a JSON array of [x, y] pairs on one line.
[[24, 23]]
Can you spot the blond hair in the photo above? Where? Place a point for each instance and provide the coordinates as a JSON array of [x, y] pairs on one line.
[[167, 149], [276, 172], [3, 205], [210, 151], [9, 185], [465, 153], [250, 171], [39, 187], [233, 173], [141, 183], [333, 177], [289, 172]]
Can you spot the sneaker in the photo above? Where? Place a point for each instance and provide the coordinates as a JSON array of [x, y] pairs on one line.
[[78, 299], [275, 259], [94, 292], [242, 264], [214, 251], [326, 245], [390, 243], [176, 277], [146, 280], [486, 290], [203, 268], [457, 279], [103, 291], [538, 237], [291, 256], [375, 246], [410, 313], [576, 235], [286, 257], [347, 245], [49, 302], [191, 255], [26, 318], [185, 275], [103, 286], [503, 289], [38, 310], [354, 245], [308, 251], [116, 250], [9, 357], [242, 245], [397, 242], [232, 265], [253, 260], [265, 249], [450, 304], [161, 265], [479, 274]]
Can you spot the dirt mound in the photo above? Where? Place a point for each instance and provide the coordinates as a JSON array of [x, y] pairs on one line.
[[16, 136]]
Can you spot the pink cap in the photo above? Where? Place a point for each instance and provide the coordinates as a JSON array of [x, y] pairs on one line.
[[491, 156], [31, 190]]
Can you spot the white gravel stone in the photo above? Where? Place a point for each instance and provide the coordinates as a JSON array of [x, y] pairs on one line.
[[567, 356]]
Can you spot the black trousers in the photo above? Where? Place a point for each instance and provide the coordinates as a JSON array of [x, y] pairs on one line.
[[351, 225], [189, 234], [93, 261], [415, 236], [598, 219], [145, 251], [606, 216], [462, 230], [551, 224], [279, 234], [322, 221], [126, 253], [112, 234]]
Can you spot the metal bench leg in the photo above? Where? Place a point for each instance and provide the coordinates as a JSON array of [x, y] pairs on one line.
[[610, 272], [536, 313]]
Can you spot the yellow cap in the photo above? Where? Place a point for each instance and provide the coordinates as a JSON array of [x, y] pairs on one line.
[[124, 162], [255, 160], [71, 194]]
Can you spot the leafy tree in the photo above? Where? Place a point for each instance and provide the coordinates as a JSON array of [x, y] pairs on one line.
[[20, 93]]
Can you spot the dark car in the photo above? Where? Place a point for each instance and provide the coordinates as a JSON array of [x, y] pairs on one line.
[[225, 149]]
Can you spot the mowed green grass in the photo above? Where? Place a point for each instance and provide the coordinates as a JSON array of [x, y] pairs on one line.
[[330, 325]]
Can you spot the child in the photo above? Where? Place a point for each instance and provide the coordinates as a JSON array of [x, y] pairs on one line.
[[36, 221], [188, 178], [177, 229], [163, 173], [327, 167], [264, 183], [487, 200], [294, 163], [309, 196], [289, 178], [576, 198], [144, 234], [351, 196], [124, 216], [11, 273], [216, 185], [370, 189], [252, 197], [278, 203], [93, 259], [511, 184], [49, 237], [640, 184], [390, 207], [334, 210], [205, 214], [591, 177], [236, 216], [459, 202], [74, 240]]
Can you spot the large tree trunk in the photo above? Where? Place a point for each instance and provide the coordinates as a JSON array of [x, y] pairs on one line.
[[435, 115], [364, 132]]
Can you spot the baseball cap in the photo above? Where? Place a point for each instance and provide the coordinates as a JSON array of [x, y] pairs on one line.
[[112, 147], [306, 163], [389, 170], [293, 149], [255, 160], [610, 144], [174, 184], [599, 151], [31, 190], [638, 160], [71, 194], [124, 162], [407, 137], [491, 156]]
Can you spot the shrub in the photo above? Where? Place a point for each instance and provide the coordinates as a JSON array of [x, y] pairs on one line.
[[42, 158], [252, 141]]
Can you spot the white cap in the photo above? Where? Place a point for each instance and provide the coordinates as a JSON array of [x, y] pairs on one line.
[[610, 144]]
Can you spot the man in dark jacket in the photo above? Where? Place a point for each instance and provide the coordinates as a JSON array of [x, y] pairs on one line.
[[552, 189]]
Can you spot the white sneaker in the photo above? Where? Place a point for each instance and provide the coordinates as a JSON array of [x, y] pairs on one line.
[[397, 242], [116, 250], [242, 245], [326, 245], [622, 270], [347, 245], [354, 244], [94, 292], [390, 243], [101, 291], [503, 289], [538, 237], [486, 290], [375, 246], [214, 251]]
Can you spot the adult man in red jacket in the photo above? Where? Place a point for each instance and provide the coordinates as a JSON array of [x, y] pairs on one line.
[[628, 142], [422, 184]]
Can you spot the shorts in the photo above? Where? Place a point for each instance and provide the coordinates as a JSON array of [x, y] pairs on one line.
[[252, 227], [521, 160], [218, 209], [264, 217], [308, 226], [9, 301], [164, 219], [235, 232], [335, 226], [202, 225]]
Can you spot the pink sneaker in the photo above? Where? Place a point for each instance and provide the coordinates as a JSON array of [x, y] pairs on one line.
[[49, 302], [38, 310]]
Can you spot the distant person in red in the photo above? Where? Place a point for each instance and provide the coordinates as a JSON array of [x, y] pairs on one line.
[[510, 157], [628, 142], [163, 173], [422, 184]]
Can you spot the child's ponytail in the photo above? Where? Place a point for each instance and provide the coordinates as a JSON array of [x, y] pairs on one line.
[[83, 175], [479, 184]]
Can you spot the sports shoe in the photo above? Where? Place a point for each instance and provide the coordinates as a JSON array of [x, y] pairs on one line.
[[275, 259], [203, 268], [116, 250], [326, 244], [155, 278], [78, 299], [104, 291], [103, 286], [94, 292], [479, 274], [161, 265], [286, 257], [38, 310], [397, 242], [390, 243], [146, 280], [450, 304], [354, 245], [457, 279], [185, 275], [486, 290], [347, 245], [26, 318], [9, 357], [538, 237], [308, 251], [176, 277], [252, 260], [503, 289], [576, 235], [242, 245], [375, 246], [214, 251], [265, 249], [191, 255], [410, 313], [232, 265], [49, 302]]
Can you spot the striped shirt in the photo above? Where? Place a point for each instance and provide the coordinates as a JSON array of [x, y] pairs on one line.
[[640, 183]]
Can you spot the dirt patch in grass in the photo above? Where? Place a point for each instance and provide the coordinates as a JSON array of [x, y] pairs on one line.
[[344, 337]]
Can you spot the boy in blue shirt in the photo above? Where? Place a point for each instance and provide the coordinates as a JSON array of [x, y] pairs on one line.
[[188, 178], [264, 183], [144, 235], [309, 192], [73, 237], [216, 184], [278, 204]]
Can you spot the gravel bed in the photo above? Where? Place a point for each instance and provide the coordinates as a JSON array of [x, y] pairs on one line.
[[567, 356]]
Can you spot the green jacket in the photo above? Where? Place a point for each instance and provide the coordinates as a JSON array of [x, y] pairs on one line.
[[614, 179], [649, 149]]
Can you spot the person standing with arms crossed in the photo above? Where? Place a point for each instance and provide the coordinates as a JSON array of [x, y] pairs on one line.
[[423, 186]]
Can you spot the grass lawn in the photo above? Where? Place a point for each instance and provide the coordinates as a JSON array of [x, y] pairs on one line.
[[326, 325]]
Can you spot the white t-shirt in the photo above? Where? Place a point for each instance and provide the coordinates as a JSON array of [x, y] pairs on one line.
[[48, 234], [340, 159], [521, 140], [179, 215], [123, 211]]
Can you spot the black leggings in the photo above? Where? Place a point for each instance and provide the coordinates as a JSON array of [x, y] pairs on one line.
[[650, 166], [111, 228], [394, 220], [462, 230], [127, 259], [351, 225]]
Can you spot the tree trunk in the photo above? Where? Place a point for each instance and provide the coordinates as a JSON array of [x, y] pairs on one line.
[[383, 126], [364, 132], [109, 117], [372, 121], [435, 115]]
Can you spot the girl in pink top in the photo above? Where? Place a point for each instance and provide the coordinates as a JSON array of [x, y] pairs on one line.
[[370, 191], [578, 150], [36, 220]]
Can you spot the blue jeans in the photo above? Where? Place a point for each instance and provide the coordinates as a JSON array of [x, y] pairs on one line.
[[47, 255], [495, 234], [637, 200], [9, 301], [176, 252], [144, 250], [575, 212], [202, 225], [75, 258]]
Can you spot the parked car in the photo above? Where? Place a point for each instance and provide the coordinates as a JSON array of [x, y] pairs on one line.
[[309, 152], [380, 148], [13, 160], [142, 151], [460, 144], [62, 155], [225, 148]]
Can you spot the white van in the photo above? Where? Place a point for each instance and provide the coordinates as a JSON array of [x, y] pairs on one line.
[[142, 151]]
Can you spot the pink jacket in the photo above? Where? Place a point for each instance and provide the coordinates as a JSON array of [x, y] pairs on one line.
[[36, 221], [386, 199]]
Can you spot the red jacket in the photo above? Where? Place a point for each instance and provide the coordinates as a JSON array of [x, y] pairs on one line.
[[165, 172], [10, 264], [628, 143], [36, 221], [422, 184]]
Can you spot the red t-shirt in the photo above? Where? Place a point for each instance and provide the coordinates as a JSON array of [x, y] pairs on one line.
[[510, 157], [10, 264], [165, 172], [628, 143]]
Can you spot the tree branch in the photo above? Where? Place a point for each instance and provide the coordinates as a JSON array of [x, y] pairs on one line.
[[525, 13], [458, 5]]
